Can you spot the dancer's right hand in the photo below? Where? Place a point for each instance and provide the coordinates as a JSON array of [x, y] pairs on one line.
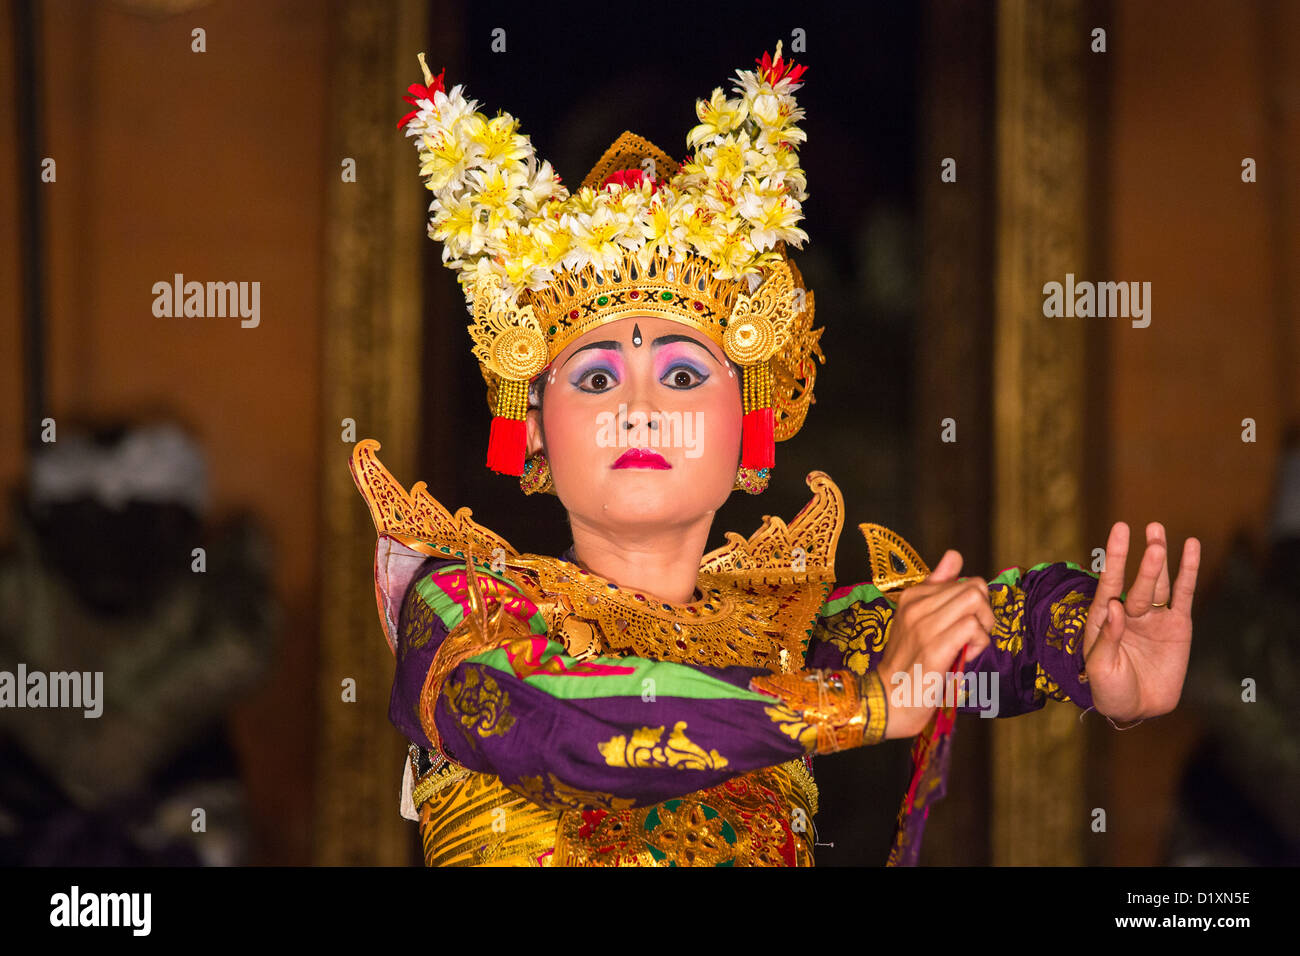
[[932, 622]]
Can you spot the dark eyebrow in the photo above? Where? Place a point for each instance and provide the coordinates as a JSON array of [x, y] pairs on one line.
[[607, 344], [665, 339], [662, 340]]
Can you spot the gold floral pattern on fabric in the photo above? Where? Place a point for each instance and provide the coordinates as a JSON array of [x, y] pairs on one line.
[[1067, 620], [479, 703], [1044, 682], [418, 623], [860, 632], [794, 726], [761, 818], [645, 750], [1008, 603], [1068, 617], [550, 790]]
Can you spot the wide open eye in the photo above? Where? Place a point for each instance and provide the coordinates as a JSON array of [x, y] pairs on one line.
[[596, 380], [683, 376]]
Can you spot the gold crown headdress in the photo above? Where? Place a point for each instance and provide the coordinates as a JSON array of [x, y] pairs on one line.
[[702, 243]]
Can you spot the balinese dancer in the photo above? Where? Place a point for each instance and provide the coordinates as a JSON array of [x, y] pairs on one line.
[[645, 340]]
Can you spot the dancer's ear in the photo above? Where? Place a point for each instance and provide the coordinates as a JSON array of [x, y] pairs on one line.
[[533, 424]]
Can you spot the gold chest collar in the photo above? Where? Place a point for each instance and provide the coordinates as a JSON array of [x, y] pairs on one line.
[[760, 595]]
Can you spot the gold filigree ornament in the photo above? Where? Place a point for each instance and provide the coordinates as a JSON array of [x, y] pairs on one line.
[[794, 371], [646, 748], [415, 517], [507, 338], [894, 563], [760, 324], [757, 597]]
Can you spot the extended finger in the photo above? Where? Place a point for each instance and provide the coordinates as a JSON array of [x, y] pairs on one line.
[[1185, 583], [1142, 595], [1156, 534], [947, 568], [1111, 580], [1110, 583]]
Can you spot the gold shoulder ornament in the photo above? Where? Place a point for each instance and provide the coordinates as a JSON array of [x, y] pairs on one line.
[[755, 603]]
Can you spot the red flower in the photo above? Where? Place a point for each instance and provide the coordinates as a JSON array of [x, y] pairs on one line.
[[417, 92], [631, 178], [773, 72]]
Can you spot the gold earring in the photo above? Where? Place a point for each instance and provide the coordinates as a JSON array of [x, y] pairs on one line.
[[752, 480], [536, 477]]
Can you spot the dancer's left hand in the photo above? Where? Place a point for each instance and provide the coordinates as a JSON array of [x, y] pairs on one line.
[[1136, 652]]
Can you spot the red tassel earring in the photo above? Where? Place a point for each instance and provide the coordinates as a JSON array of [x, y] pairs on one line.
[[509, 436], [758, 431]]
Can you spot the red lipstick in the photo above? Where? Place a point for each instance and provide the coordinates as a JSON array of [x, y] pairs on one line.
[[641, 458]]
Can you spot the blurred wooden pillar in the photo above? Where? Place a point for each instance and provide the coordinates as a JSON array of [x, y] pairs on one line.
[[372, 348], [955, 358], [1039, 808]]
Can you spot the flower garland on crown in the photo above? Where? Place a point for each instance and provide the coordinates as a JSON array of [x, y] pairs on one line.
[[497, 209]]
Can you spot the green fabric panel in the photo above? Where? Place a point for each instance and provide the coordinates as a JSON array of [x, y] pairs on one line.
[[451, 611], [671, 680], [863, 593]]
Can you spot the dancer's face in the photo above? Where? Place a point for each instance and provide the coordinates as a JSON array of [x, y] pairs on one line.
[[648, 383]]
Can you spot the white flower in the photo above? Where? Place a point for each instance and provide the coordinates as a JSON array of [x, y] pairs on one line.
[[540, 185]]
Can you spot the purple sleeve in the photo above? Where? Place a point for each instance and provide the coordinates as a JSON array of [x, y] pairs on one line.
[[1036, 649], [602, 732]]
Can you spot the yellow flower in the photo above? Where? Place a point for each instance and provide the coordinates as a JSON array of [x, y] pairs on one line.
[[734, 251], [659, 229], [554, 241], [452, 223], [541, 185], [500, 142], [696, 227], [584, 202], [521, 259], [444, 161], [771, 217], [603, 236], [718, 117], [496, 195], [728, 161]]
